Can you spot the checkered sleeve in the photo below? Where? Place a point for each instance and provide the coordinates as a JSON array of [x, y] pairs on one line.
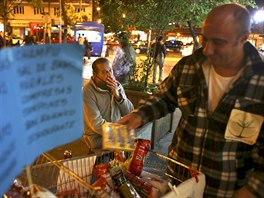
[[256, 180], [164, 101]]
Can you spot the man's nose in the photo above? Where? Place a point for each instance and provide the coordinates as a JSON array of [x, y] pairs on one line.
[[208, 48], [109, 73]]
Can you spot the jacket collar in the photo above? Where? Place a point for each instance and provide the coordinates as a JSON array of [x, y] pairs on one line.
[[92, 82]]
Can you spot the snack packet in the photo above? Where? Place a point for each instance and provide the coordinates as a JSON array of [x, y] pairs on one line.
[[117, 136]]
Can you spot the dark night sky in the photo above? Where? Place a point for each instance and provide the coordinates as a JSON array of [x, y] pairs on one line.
[[260, 3]]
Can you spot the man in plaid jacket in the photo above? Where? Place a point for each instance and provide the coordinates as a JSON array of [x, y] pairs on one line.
[[220, 91]]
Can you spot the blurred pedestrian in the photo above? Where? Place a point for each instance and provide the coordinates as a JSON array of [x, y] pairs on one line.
[[125, 59], [87, 48], [220, 92], [1, 40], [80, 39], [158, 50], [29, 40]]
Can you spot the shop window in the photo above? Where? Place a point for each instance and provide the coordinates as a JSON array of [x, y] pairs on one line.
[[18, 9], [56, 11], [77, 10], [38, 11]]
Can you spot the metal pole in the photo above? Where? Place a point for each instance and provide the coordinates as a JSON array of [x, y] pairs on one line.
[[60, 25], [5, 13]]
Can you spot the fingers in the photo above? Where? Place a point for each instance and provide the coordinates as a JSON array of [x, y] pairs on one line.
[[111, 83], [132, 120]]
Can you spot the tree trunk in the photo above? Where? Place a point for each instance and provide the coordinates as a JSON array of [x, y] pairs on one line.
[[4, 36], [65, 19], [196, 44]]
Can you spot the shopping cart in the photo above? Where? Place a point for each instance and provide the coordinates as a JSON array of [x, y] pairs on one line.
[[65, 178], [71, 177]]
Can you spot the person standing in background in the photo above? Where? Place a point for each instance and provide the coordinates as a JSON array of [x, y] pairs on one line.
[[80, 39], [220, 92], [159, 52], [29, 39], [124, 62], [87, 48]]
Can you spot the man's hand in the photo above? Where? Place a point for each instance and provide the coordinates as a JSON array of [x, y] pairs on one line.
[[112, 84], [132, 120], [243, 193]]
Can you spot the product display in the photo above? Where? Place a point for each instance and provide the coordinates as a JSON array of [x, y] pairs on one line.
[[108, 174]]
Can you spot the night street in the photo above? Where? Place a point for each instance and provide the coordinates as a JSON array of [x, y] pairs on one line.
[[170, 60]]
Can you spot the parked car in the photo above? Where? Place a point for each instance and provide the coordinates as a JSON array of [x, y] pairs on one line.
[[173, 45], [140, 47]]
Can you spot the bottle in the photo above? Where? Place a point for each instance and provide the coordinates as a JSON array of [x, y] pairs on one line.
[[125, 189], [67, 154], [119, 158]]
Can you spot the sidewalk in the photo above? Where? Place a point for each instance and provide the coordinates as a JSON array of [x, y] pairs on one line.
[[79, 148]]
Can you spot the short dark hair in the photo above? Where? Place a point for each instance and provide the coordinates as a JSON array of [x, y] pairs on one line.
[[97, 62], [159, 38]]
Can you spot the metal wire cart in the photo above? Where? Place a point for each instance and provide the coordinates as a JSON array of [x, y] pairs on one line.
[[72, 177]]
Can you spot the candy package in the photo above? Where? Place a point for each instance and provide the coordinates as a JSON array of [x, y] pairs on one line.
[[117, 136]]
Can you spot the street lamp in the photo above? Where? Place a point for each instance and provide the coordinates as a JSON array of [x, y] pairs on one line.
[[98, 10], [259, 16]]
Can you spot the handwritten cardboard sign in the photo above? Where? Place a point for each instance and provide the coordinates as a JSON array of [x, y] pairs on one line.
[[40, 103]]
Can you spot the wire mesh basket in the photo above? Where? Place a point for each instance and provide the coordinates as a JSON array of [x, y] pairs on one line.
[[72, 177], [65, 178], [164, 166]]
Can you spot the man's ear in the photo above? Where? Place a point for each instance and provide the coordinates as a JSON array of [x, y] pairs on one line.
[[244, 37]]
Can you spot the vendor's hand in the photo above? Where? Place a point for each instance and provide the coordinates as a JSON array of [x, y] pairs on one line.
[[132, 120], [243, 193]]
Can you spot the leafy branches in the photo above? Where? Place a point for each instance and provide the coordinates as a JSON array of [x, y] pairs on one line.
[[158, 15]]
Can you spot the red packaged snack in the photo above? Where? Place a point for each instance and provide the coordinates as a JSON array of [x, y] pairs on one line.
[[101, 169], [138, 156], [99, 182]]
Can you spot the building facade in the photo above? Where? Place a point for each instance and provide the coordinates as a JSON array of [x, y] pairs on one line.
[[25, 19]]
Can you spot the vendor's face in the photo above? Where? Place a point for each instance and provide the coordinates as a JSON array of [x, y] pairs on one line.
[[222, 42]]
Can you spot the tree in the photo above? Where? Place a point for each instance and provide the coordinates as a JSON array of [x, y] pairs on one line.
[[70, 17], [112, 15], [7, 8], [158, 15]]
